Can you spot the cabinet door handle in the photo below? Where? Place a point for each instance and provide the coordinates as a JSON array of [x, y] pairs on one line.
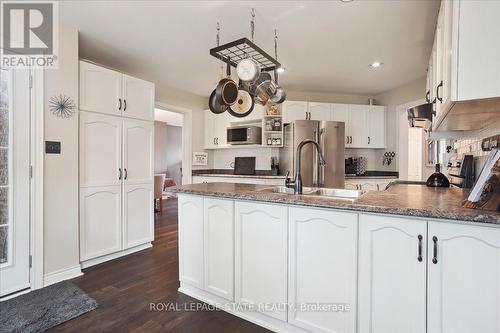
[[351, 139], [419, 258], [439, 98], [126, 173], [124, 105], [428, 96], [368, 140], [119, 103], [435, 255], [347, 139], [119, 173]]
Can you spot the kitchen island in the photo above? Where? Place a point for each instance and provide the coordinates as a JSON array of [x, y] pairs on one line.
[[408, 259]]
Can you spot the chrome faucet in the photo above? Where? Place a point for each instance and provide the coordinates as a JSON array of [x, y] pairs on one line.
[[296, 184]]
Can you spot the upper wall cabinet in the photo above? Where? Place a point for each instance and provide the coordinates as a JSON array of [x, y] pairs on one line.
[[106, 91], [464, 71]]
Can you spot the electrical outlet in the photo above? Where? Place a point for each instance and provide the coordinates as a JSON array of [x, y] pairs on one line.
[[52, 147]]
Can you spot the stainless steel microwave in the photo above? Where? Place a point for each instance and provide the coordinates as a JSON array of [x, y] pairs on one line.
[[244, 135]]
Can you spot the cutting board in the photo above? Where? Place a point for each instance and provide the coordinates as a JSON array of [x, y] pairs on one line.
[[244, 165]]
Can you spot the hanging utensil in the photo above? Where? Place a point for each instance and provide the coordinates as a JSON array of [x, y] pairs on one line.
[[227, 90], [280, 94], [213, 103], [263, 88], [244, 104], [248, 69]]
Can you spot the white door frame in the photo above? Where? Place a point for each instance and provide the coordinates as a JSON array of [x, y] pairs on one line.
[[187, 140], [37, 161]]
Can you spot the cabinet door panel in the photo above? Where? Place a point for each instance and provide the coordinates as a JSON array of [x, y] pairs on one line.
[[100, 89], [391, 281], [261, 256], [376, 127], [219, 247], [137, 214], [100, 221], [464, 283], [137, 151], [294, 110], [100, 150], [341, 113], [320, 111], [139, 97], [358, 125], [323, 261], [191, 240]]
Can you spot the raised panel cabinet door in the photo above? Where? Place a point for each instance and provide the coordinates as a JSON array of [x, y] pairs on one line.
[[100, 150], [137, 214], [376, 127], [100, 89], [391, 278], [139, 98], [320, 111], [191, 240], [294, 110], [138, 153], [100, 221], [210, 129], [222, 122], [323, 269], [464, 278], [341, 113], [358, 115], [261, 257], [219, 247]]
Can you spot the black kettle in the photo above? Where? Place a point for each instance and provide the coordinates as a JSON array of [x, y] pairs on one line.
[[437, 179]]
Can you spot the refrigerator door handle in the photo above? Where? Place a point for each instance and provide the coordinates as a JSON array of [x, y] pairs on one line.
[[315, 161], [321, 142]]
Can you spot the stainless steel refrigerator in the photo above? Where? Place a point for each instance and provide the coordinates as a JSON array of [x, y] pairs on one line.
[[330, 135]]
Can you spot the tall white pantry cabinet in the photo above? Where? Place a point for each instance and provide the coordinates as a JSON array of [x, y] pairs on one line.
[[116, 163]]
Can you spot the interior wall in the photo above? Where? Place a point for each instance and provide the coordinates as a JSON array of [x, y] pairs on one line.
[[323, 97], [160, 157], [391, 99], [174, 153], [61, 244], [223, 158]]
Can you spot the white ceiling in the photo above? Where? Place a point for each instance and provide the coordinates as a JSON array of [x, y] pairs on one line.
[[326, 46]]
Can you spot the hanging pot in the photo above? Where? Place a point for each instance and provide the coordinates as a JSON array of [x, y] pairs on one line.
[[264, 88], [248, 70], [280, 94], [214, 104], [227, 90], [244, 104]]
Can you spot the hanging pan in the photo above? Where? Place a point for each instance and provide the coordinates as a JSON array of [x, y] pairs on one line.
[[227, 90], [213, 103], [263, 88], [280, 94], [244, 104]]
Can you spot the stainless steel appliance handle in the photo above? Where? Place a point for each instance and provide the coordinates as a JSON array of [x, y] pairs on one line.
[[315, 161], [321, 142]]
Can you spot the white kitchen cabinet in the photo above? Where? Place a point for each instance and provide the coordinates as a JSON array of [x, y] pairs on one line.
[[261, 256], [341, 113], [138, 98], [464, 278], [376, 126], [100, 221], [322, 268], [138, 220], [191, 240], [392, 279], [218, 227], [294, 110], [358, 115], [216, 129], [107, 91], [245, 180], [320, 111], [138, 151], [100, 89], [100, 150]]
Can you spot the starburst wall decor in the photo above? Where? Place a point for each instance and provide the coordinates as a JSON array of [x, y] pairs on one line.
[[62, 106]]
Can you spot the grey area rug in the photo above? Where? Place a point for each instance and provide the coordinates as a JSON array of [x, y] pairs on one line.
[[44, 308]]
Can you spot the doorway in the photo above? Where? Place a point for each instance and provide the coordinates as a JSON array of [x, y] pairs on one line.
[[15, 135]]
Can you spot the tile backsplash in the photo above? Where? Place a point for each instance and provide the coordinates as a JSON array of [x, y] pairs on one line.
[[470, 144], [222, 158]]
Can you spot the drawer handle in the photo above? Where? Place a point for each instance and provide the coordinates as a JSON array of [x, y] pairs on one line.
[[435, 259], [419, 258]]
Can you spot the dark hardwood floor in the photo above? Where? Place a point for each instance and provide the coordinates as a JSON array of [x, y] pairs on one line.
[[125, 287]]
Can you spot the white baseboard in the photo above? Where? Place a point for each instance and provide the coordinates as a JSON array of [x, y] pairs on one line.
[[100, 260], [61, 275]]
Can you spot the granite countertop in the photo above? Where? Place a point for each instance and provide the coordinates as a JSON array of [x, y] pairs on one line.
[[398, 199]]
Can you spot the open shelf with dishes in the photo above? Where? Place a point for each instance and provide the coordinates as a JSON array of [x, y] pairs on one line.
[[272, 127]]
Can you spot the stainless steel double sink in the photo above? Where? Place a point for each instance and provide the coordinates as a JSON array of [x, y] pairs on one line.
[[317, 191]]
